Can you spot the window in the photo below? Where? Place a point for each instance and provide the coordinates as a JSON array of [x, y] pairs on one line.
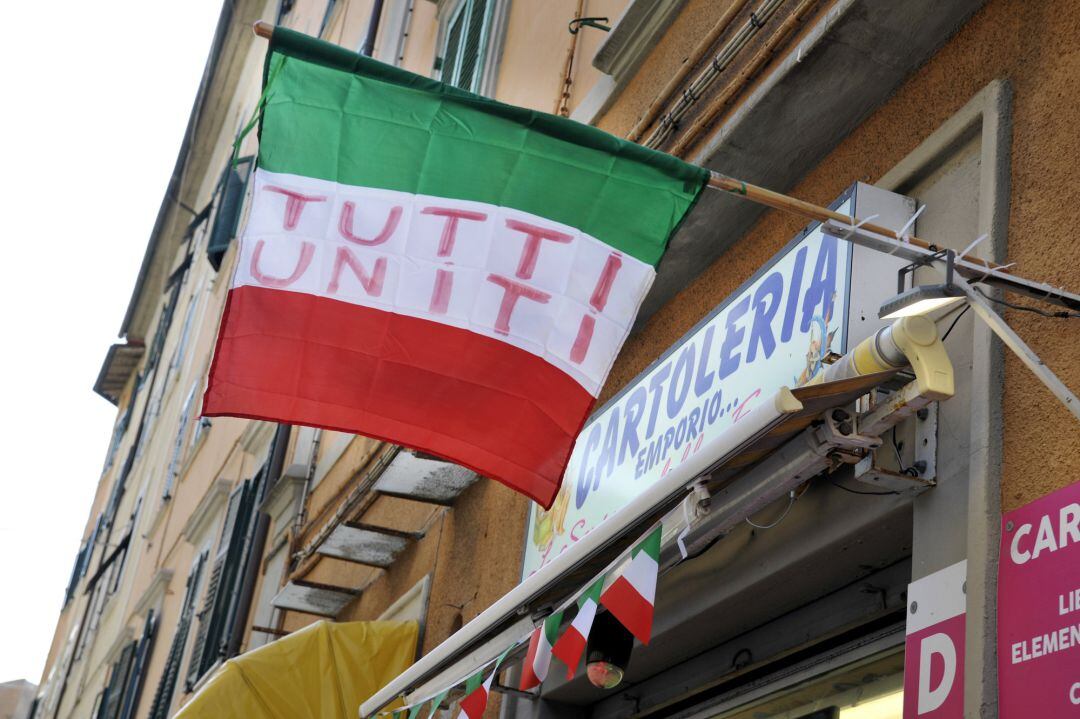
[[185, 332], [327, 16], [219, 613], [119, 431], [82, 561], [284, 8], [179, 445], [126, 676], [233, 185], [465, 45], [167, 685]]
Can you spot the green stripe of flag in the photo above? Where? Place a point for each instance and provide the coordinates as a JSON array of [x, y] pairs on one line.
[[551, 627], [437, 702], [651, 544], [592, 592], [334, 115]]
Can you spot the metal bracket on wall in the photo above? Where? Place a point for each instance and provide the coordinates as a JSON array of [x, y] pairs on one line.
[[575, 25], [921, 474]]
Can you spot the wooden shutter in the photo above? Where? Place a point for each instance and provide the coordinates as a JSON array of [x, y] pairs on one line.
[[163, 696], [454, 33], [213, 618], [76, 575], [118, 679], [133, 689], [466, 41], [472, 51], [234, 183], [179, 444]]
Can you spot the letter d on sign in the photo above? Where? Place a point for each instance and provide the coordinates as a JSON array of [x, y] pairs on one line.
[[934, 648], [931, 698]]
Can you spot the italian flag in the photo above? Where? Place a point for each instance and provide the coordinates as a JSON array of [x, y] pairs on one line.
[[571, 645], [475, 701], [534, 670], [631, 597], [436, 269]]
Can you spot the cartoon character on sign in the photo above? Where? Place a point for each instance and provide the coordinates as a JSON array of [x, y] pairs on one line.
[[820, 345], [550, 523]]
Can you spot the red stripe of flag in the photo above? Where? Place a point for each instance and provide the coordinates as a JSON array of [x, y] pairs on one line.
[[303, 359]]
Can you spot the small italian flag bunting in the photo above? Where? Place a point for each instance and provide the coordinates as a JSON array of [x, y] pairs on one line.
[[571, 644], [538, 659], [476, 699], [436, 703], [434, 268], [631, 597], [478, 689]]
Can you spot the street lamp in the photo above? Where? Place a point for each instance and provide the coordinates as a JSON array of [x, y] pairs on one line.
[[919, 300]]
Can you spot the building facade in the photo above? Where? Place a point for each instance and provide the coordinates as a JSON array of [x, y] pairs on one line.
[[209, 538]]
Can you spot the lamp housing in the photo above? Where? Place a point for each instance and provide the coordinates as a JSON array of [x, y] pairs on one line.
[[607, 652]]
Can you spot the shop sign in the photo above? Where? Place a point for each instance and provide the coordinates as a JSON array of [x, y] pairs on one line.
[[934, 647], [773, 331], [1039, 608]]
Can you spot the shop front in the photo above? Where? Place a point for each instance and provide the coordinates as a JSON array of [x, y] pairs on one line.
[[787, 446]]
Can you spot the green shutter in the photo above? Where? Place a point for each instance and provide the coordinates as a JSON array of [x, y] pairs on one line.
[[216, 615], [466, 44], [118, 680], [163, 696], [234, 183], [133, 689], [453, 46], [473, 51]]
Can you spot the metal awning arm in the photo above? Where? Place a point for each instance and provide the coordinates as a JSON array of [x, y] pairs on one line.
[[971, 270]]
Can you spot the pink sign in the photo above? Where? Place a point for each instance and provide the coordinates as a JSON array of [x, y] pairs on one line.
[[934, 649], [1039, 609]]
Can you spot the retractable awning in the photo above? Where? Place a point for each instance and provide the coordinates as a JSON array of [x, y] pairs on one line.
[[322, 671], [784, 441]]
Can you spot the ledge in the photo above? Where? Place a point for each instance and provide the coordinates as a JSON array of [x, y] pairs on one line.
[[849, 62]]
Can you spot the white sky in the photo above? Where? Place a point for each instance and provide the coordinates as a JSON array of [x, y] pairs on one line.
[[96, 101]]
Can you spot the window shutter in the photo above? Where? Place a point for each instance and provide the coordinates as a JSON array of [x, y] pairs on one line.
[[199, 651], [163, 696], [220, 594], [178, 446], [135, 680], [466, 40], [327, 15], [245, 529], [228, 214], [453, 47], [472, 52], [118, 678]]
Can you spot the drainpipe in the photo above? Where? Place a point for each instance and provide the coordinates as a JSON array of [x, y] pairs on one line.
[[372, 29], [258, 545]]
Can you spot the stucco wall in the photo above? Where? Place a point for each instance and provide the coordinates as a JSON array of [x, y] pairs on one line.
[[1029, 44]]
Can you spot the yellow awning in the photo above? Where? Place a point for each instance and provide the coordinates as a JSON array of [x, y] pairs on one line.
[[323, 671]]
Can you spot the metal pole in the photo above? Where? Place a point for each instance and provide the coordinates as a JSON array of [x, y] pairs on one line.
[[1020, 348]]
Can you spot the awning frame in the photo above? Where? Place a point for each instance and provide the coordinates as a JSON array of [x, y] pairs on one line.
[[792, 441]]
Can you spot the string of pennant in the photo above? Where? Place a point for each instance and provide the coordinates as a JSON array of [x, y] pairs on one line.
[[629, 596]]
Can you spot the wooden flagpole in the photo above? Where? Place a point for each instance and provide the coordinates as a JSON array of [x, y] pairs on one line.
[[811, 211]]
